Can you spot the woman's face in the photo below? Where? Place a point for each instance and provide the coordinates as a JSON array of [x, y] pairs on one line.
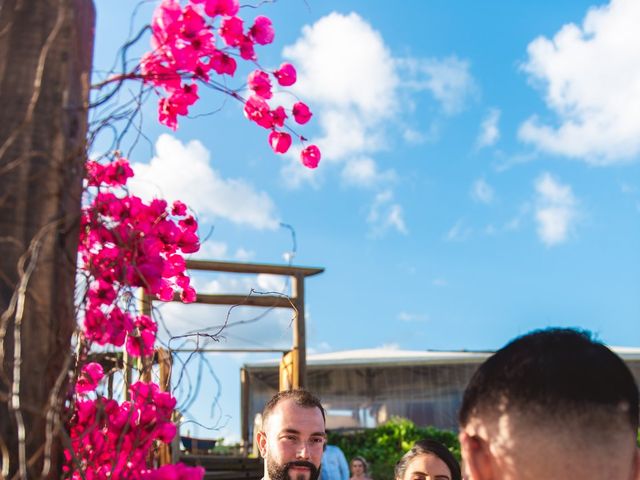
[[427, 466], [357, 468]]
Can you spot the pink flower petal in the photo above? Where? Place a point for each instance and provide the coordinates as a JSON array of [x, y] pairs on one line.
[[301, 113], [310, 156], [279, 141], [262, 30], [286, 75]]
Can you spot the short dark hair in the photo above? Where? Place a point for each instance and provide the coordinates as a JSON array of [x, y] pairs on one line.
[[300, 396], [433, 447], [555, 374]]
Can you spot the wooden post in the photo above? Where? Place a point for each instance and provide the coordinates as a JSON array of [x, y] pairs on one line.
[[127, 374], [289, 373], [145, 363], [299, 335], [165, 363], [46, 51], [245, 387]]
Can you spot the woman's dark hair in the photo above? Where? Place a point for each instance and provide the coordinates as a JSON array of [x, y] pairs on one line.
[[364, 463], [435, 448]]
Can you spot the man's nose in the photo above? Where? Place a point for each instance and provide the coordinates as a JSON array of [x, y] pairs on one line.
[[303, 451]]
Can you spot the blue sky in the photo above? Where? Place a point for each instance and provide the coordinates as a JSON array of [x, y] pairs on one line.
[[479, 175]]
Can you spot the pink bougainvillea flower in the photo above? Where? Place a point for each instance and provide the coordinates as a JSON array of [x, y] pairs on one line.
[[223, 63], [90, 376], [286, 75], [262, 30], [179, 208], [231, 31], [167, 114], [191, 22], [257, 110], [154, 71], [278, 116], [279, 141], [142, 343], [221, 7], [177, 104], [101, 292], [117, 172], [164, 22], [246, 49], [310, 156], [260, 83], [188, 295], [188, 241], [301, 113]]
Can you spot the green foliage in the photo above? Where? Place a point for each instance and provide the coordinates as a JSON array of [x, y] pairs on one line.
[[383, 446]]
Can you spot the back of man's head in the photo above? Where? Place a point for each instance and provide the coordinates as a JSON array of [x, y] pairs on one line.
[[549, 404]]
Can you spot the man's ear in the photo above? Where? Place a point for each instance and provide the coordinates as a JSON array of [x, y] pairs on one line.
[[261, 438], [477, 457]]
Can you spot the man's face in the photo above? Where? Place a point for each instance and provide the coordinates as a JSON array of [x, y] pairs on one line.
[[292, 442]]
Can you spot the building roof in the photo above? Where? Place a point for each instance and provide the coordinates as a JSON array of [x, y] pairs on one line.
[[391, 357]]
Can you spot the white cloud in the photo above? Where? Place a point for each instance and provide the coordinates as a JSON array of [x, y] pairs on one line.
[[591, 80], [184, 172], [385, 214], [210, 250], [448, 80], [489, 131], [459, 232], [342, 61], [364, 172], [360, 92], [556, 210], [348, 76], [412, 317], [481, 191]]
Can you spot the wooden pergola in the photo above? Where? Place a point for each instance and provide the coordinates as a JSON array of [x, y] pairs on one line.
[[293, 367]]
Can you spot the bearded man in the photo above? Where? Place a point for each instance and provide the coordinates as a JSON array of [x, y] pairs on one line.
[[293, 436]]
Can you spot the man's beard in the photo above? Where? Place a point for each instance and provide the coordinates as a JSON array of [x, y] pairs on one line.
[[281, 472]]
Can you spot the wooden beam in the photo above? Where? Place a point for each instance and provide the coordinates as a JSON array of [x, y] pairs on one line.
[[235, 267], [229, 350], [243, 300]]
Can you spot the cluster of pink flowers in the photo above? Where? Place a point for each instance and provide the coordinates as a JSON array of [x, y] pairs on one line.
[[185, 51], [126, 244], [112, 441]]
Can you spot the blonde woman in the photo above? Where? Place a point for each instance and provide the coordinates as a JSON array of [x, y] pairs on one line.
[[359, 469]]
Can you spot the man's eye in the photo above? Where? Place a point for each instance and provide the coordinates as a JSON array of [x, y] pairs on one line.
[[317, 440]]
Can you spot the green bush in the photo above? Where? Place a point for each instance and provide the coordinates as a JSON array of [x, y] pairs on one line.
[[383, 446]]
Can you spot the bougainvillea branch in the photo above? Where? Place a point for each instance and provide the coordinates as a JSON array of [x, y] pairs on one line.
[[127, 244], [195, 42]]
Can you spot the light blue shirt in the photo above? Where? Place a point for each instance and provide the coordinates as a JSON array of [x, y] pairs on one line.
[[334, 464]]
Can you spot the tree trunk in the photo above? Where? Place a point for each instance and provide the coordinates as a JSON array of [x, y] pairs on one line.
[[45, 61]]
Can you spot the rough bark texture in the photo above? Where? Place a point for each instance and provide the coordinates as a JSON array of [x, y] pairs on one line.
[[45, 59]]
